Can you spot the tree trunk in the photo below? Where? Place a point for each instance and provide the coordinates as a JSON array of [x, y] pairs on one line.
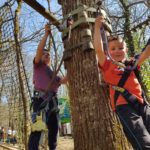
[[94, 125], [127, 28], [22, 79]]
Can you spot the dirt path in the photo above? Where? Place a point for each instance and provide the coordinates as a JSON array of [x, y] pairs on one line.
[[65, 143]]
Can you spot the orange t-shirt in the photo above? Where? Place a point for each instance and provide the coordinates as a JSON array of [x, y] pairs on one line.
[[112, 74]]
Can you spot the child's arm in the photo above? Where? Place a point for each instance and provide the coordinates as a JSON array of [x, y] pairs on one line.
[[145, 54], [98, 44], [42, 44]]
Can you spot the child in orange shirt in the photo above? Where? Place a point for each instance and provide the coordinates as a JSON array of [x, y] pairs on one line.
[[133, 112]]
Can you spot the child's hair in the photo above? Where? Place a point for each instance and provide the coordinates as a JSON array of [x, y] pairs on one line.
[[116, 38]]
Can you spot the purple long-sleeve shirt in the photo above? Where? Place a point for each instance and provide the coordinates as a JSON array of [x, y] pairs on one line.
[[42, 76]]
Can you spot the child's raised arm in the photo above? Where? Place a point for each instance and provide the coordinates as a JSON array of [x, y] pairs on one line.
[[98, 40], [42, 44], [145, 54]]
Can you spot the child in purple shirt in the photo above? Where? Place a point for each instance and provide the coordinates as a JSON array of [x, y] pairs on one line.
[[42, 77]]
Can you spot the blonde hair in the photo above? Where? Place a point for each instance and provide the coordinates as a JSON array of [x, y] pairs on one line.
[[116, 38]]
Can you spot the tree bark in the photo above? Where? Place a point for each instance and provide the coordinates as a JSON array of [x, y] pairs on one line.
[[22, 82], [127, 28], [94, 125]]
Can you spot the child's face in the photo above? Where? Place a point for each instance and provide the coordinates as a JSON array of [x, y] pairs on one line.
[[46, 58], [117, 49]]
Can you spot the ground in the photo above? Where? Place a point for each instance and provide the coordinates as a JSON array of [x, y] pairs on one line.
[[64, 143]]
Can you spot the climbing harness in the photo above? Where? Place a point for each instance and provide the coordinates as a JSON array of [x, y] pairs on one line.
[[43, 100], [119, 89], [42, 108]]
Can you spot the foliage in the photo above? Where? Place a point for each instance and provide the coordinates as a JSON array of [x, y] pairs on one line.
[[145, 73], [64, 110]]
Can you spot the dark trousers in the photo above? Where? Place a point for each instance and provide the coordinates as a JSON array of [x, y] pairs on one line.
[[52, 124], [136, 124]]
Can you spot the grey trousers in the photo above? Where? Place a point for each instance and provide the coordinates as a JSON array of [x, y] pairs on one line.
[[136, 124]]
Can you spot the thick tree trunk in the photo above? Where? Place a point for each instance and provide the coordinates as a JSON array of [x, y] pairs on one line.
[[94, 125]]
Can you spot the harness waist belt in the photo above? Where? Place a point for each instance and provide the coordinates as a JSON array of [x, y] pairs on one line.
[[130, 98]]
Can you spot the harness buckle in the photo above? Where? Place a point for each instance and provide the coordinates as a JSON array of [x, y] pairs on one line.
[[117, 88], [38, 94]]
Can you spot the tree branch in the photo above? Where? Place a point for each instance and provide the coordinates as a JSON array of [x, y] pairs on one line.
[[45, 13], [138, 2], [147, 21]]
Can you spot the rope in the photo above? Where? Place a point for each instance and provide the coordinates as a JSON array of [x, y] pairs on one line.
[[55, 70]]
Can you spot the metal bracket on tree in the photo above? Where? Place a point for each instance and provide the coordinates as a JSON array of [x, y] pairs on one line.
[[83, 17], [86, 44]]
